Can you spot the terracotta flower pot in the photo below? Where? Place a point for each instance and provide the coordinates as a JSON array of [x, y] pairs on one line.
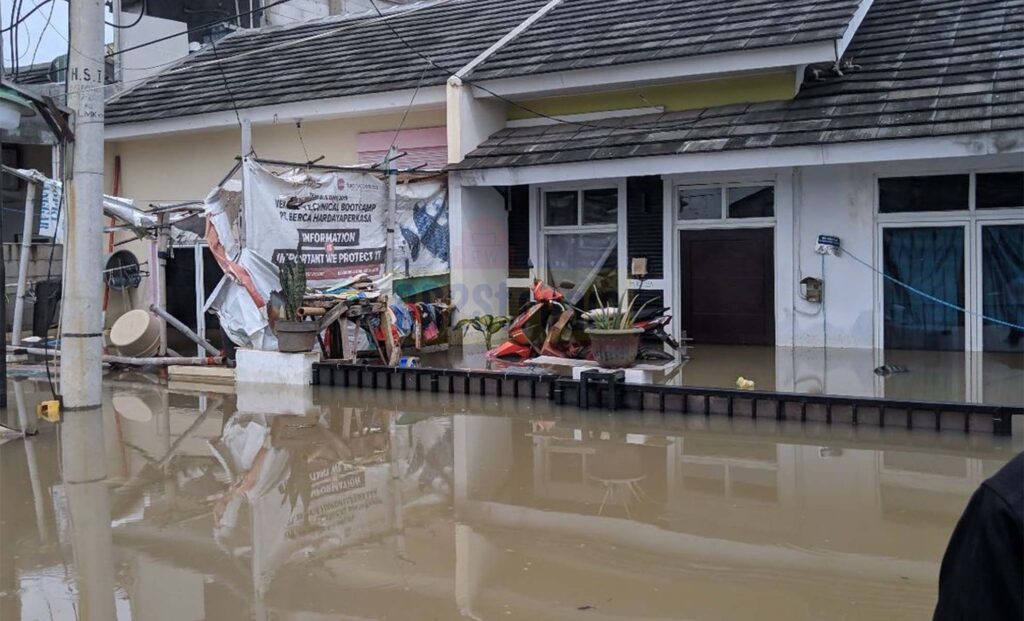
[[615, 349], [295, 337]]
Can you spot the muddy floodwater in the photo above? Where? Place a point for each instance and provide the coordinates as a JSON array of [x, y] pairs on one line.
[[193, 502]]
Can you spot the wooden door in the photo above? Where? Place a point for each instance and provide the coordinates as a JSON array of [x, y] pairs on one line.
[[728, 286]]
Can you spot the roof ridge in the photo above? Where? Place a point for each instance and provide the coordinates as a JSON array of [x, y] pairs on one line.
[[505, 40]]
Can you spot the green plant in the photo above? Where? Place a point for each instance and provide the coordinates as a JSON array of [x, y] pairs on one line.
[[292, 273], [488, 325], [621, 317]]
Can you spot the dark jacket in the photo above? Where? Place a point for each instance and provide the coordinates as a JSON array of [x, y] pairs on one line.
[[982, 575]]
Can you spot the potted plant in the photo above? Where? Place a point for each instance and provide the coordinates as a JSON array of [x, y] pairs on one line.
[[488, 325], [614, 340], [293, 334]]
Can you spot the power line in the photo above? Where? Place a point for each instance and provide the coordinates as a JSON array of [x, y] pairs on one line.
[[198, 28], [22, 18], [509, 101], [39, 41], [142, 13]]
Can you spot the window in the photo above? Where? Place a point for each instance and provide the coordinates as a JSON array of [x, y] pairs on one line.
[[751, 202], [581, 235], [932, 193], [727, 202], [702, 204], [996, 190]]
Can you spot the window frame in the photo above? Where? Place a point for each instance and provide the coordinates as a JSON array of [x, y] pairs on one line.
[[724, 220], [972, 219], [540, 230]]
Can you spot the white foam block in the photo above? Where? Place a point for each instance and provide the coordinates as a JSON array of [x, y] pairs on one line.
[[273, 367]]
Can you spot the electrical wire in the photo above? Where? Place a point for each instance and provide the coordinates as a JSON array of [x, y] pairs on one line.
[[930, 297], [464, 80], [227, 88], [22, 18], [198, 28], [39, 41], [405, 115], [142, 13]]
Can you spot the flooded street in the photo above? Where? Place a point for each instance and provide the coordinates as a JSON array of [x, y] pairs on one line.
[[196, 503]]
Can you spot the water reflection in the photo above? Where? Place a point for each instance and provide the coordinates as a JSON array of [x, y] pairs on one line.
[[192, 504]]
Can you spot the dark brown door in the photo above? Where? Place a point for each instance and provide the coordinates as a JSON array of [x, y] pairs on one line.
[[728, 286]]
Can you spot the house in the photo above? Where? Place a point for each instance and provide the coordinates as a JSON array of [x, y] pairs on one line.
[[716, 140], [719, 141]]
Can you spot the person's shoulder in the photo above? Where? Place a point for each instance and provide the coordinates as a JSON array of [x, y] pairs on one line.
[[1008, 485]]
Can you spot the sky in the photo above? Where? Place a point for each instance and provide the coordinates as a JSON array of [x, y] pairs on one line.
[[52, 41]]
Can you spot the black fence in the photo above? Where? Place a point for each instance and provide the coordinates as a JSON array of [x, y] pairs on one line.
[[608, 391]]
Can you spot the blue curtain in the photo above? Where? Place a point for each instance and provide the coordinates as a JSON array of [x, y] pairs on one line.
[[1002, 280], [930, 259]]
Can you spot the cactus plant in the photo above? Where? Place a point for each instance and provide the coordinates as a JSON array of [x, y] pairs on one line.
[[292, 273]]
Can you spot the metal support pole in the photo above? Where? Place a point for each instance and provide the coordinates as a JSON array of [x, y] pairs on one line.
[[246, 194], [200, 296], [391, 217], [3, 283], [157, 278], [26, 254], [82, 325], [204, 347]]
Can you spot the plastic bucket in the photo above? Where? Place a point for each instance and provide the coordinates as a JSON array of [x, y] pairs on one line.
[[136, 334]]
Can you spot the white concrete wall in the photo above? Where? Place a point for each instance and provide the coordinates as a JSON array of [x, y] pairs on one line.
[[478, 225], [137, 65], [829, 200], [296, 11]]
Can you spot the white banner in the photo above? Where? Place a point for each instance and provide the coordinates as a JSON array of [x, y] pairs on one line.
[[422, 245], [51, 222], [337, 217]]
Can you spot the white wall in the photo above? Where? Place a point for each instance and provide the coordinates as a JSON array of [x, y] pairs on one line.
[[830, 200], [478, 225], [139, 64]]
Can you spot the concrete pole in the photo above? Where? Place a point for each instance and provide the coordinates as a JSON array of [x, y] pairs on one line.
[[85, 485], [82, 324], [26, 255]]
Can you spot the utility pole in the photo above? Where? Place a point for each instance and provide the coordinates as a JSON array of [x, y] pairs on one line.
[[82, 323]]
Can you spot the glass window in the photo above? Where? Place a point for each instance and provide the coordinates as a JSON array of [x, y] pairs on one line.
[[600, 206], [932, 193], [995, 190], [576, 262], [702, 204], [560, 208], [1002, 287], [930, 259], [751, 202]]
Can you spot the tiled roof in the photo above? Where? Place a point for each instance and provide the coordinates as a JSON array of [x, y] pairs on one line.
[[926, 68], [344, 57], [580, 34]]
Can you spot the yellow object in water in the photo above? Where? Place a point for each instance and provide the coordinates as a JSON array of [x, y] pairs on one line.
[[49, 411], [744, 384]]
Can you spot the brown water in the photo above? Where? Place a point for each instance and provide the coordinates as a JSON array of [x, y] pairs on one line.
[[970, 377], [190, 504]]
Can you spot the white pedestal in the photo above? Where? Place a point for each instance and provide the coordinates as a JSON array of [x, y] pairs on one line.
[[272, 367], [633, 376]]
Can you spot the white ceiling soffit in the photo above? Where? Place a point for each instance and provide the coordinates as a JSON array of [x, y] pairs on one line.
[[694, 67], [392, 102]]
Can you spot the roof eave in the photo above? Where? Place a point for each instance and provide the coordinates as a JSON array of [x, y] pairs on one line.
[[676, 69], [431, 97], [1006, 143]]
